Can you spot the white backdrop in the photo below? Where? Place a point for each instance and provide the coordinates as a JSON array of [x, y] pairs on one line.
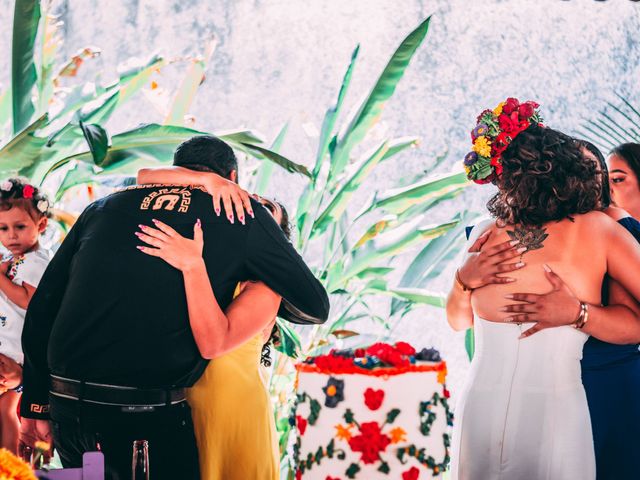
[[283, 60]]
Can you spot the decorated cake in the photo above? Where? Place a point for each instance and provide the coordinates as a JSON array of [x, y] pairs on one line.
[[380, 412]]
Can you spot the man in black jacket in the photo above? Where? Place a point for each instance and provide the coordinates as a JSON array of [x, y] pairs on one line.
[[107, 343]]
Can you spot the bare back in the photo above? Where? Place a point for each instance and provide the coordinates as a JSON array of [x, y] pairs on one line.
[[575, 250]]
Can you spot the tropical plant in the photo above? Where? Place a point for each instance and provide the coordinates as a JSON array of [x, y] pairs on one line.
[[356, 249], [616, 122], [49, 124]]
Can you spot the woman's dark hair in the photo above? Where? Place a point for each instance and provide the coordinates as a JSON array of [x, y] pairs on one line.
[[605, 201], [545, 177], [274, 338], [630, 153]]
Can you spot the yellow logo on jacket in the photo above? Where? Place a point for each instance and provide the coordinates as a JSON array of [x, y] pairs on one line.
[[168, 199]]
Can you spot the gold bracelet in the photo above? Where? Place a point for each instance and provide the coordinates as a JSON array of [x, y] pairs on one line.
[[461, 283], [583, 318]]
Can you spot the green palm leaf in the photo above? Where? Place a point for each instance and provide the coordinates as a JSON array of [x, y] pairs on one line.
[[340, 200], [390, 244], [331, 115], [26, 17], [266, 168], [400, 199], [371, 109], [25, 149]]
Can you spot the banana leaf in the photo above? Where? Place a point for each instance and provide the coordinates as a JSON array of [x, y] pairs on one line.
[[289, 343], [187, 90], [98, 141], [266, 168], [417, 296], [331, 115], [428, 260], [81, 173], [398, 200], [341, 199], [264, 153], [5, 107], [26, 17], [390, 244], [370, 111], [25, 149], [49, 44]]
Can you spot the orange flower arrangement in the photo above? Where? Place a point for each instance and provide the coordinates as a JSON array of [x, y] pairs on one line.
[[13, 468]]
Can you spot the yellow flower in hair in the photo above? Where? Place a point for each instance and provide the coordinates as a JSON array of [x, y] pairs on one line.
[[482, 146], [498, 109]]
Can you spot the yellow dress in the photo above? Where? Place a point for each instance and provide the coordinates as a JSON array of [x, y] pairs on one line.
[[233, 417]]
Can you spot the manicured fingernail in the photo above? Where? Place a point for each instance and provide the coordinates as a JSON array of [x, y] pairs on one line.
[[217, 211], [230, 218], [137, 234], [509, 296], [139, 247], [508, 319], [520, 264], [521, 250], [241, 219], [502, 309], [546, 268], [142, 227], [252, 214], [522, 336], [509, 279], [199, 223], [513, 243], [155, 221]]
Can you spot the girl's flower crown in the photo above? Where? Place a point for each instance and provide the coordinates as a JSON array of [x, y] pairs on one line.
[[17, 188], [495, 130]]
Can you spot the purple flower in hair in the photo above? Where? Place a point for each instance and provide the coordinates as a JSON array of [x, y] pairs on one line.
[[470, 158], [481, 129]]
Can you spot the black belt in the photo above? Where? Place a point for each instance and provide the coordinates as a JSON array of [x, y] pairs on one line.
[[114, 394]]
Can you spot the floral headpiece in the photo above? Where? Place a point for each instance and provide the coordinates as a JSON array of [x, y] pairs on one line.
[[495, 130], [17, 188]]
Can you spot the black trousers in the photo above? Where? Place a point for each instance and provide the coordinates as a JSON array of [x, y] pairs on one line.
[[80, 427]]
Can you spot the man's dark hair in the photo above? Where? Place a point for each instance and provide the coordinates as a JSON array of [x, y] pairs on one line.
[[630, 153], [206, 153], [545, 178]]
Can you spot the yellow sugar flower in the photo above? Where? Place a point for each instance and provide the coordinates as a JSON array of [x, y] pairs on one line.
[[482, 146], [398, 435], [498, 109], [343, 433]]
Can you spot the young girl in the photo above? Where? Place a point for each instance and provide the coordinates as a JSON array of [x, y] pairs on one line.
[[23, 217]]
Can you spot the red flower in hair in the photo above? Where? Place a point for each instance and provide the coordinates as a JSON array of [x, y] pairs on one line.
[[510, 106], [507, 123], [299, 475], [329, 477], [27, 191], [373, 398], [525, 110], [412, 474]]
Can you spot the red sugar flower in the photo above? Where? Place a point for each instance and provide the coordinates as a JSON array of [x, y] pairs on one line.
[[302, 424], [370, 442], [412, 474], [373, 398]]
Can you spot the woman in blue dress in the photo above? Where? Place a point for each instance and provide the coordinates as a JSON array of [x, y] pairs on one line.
[[611, 371], [611, 378]]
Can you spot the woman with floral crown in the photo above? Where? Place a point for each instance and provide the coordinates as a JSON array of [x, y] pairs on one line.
[[523, 413]]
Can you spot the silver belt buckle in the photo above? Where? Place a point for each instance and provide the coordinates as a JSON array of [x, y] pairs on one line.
[[138, 409]]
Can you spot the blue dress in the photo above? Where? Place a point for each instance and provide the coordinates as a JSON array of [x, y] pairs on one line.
[[611, 378]]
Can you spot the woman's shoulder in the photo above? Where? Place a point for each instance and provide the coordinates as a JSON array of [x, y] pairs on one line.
[[595, 218]]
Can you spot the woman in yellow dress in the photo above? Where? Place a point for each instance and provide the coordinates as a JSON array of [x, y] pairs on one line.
[[232, 412]]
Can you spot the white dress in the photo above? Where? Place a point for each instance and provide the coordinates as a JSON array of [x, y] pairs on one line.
[[523, 413]]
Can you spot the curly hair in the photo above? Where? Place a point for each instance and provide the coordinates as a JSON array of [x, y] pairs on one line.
[[545, 177]]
